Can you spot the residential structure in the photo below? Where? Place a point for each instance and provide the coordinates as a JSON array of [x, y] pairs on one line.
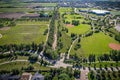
[[38, 76], [26, 76]]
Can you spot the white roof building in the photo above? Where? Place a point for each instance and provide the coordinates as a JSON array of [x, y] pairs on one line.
[[100, 12]]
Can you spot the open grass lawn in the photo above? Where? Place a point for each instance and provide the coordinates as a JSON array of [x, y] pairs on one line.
[[73, 16], [24, 32], [65, 9], [80, 29], [48, 4], [96, 44], [70, 17], [19, 65]]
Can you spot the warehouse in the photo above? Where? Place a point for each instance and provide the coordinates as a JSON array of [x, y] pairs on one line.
[[100, 12]]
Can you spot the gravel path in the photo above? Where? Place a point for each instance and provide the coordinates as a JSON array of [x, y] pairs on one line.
[[71, 47], [0, 35]]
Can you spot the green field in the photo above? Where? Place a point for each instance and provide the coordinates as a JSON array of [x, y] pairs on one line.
[[115, 12], [70, 17], [16, 10], [65, 10], [80, 29], [96, 44], [19, 65], [25, 32]]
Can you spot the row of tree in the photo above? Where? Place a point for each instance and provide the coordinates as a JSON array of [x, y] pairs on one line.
[[62, 74], [22, 47], [49, 52]]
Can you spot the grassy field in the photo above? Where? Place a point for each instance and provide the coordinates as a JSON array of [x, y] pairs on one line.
[[25, 32], [70, 17], [115, 12], [80, 29], [48, 4], [65, 10], [16, 10], [19, 65], [96, 44]]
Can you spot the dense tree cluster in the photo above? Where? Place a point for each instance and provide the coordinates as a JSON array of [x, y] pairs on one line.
[[104, 75], [62, 74], [114, 55], [77, 46], [75, 22], [73, 36], [6, 22], [89, 33]]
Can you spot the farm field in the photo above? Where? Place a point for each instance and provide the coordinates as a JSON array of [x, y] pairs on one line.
[[24, 32], [16, 10], [23, 4], [96, 44]]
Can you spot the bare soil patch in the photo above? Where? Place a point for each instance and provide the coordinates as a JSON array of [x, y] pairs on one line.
[[84, 74], [69, 25], [11, 15], [5, 28], [114, 46]]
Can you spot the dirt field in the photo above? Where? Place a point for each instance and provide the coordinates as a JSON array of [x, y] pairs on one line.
[[114, 46], [5, 28], [69, 25], [11, 15]]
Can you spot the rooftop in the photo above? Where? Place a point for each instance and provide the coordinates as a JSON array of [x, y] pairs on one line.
[[100, 11]]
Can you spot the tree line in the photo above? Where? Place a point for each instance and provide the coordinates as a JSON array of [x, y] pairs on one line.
[[7, 22]]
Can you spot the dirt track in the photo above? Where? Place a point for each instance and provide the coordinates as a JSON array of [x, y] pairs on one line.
[[11, 15], [114, 46], [69, 25]]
